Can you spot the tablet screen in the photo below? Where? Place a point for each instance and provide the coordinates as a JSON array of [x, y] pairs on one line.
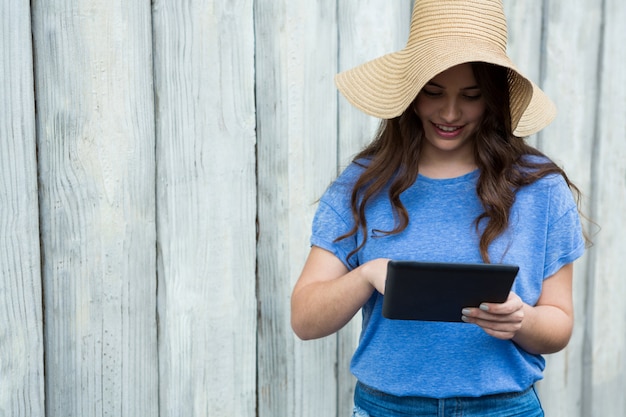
[[439, 291]]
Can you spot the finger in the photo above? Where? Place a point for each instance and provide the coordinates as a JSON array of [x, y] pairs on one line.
[[493, 321], [498, 330], [511, 305], [502, 335], [475, 314]]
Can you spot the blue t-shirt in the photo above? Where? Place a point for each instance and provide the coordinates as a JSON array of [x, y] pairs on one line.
[[441, 360]]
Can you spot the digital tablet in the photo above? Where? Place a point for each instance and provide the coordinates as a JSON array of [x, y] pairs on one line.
[[439, 291]]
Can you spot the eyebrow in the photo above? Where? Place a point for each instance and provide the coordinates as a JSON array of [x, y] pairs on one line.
[[473, 87]]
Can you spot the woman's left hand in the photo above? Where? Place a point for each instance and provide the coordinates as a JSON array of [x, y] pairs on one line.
[[502, 321]]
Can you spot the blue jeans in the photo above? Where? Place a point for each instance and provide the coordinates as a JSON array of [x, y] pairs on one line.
[[372, 403]]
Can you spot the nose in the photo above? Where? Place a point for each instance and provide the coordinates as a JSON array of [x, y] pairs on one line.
[[450, 110]]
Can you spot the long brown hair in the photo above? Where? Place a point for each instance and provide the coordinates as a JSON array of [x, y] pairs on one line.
[[500, 156]]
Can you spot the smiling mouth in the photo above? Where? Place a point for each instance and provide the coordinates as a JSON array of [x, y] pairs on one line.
[[448, 129]]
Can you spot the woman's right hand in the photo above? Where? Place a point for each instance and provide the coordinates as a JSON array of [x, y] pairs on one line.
[[375, 272], [327, 295]]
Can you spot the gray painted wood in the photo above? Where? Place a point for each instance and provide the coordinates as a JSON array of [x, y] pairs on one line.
[[569, 78], [367, 30], [605, 332], [206, 203], [146, 118], [95, 131], [21, 317], [525, 40], [297, 158]]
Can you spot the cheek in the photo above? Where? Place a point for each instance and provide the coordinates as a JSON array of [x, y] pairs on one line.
[[422, 110], [476, 112]]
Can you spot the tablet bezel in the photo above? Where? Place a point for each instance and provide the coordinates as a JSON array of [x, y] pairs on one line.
[[434, 291]]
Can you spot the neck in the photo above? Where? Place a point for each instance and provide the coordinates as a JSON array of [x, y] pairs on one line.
[[446, 167]]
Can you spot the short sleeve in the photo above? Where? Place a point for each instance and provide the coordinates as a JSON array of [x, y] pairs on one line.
[[333, 218], [328, 225], [564, 241]]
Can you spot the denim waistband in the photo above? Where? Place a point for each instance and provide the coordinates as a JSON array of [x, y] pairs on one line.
[[374, 403]]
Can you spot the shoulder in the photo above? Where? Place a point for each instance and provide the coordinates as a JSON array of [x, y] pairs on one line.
[[348, 177], [355, 169], [550, 191], [532, 164]]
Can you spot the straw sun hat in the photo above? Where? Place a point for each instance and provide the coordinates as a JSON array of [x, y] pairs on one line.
[[445, 33]]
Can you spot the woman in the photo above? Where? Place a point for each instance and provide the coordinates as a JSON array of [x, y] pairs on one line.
[[448, 178]]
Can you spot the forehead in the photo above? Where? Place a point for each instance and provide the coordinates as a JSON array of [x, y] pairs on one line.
[[461, 76]]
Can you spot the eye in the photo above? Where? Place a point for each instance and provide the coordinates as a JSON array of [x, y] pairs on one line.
[[430, 93], [473, 96]]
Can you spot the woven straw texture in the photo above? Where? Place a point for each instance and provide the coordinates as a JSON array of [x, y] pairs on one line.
[[445, 33]]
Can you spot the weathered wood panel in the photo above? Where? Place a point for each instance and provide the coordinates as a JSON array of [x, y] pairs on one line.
[[367, 30], [605, 335], [297, 158], [95, 133], [21, 324], [97, 163], [525, 39], [204, 84], [570, 29], [525, 35]]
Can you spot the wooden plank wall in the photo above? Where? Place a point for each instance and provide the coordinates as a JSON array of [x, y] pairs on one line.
[[296, 45], [96, 144], [206, 206], [604, 354], [21, 315], [385, 30], [160, 163], [563, 71]]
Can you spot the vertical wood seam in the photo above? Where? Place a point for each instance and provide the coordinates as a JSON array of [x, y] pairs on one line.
[[543, 55], [157, 234], [39, 211], [588, 345]]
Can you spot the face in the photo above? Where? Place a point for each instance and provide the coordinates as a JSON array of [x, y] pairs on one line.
[[451, 107]]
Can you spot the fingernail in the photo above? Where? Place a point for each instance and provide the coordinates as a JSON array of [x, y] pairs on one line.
[[466, 311], [484, 307], [465, 319]]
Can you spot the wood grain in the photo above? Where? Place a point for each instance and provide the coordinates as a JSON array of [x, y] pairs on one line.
[[95, 131], [605, 333], [21, 317], [367, 30], [297, 158], [570, 79], [526, 35], [161, 163], [206, 203]]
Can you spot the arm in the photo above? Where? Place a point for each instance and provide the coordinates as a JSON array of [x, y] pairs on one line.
[[326, 296], [544, 328]]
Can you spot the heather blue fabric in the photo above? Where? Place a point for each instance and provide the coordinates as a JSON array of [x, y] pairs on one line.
[[441, 360]]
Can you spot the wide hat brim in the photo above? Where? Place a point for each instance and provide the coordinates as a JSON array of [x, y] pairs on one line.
[[386, 86]]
